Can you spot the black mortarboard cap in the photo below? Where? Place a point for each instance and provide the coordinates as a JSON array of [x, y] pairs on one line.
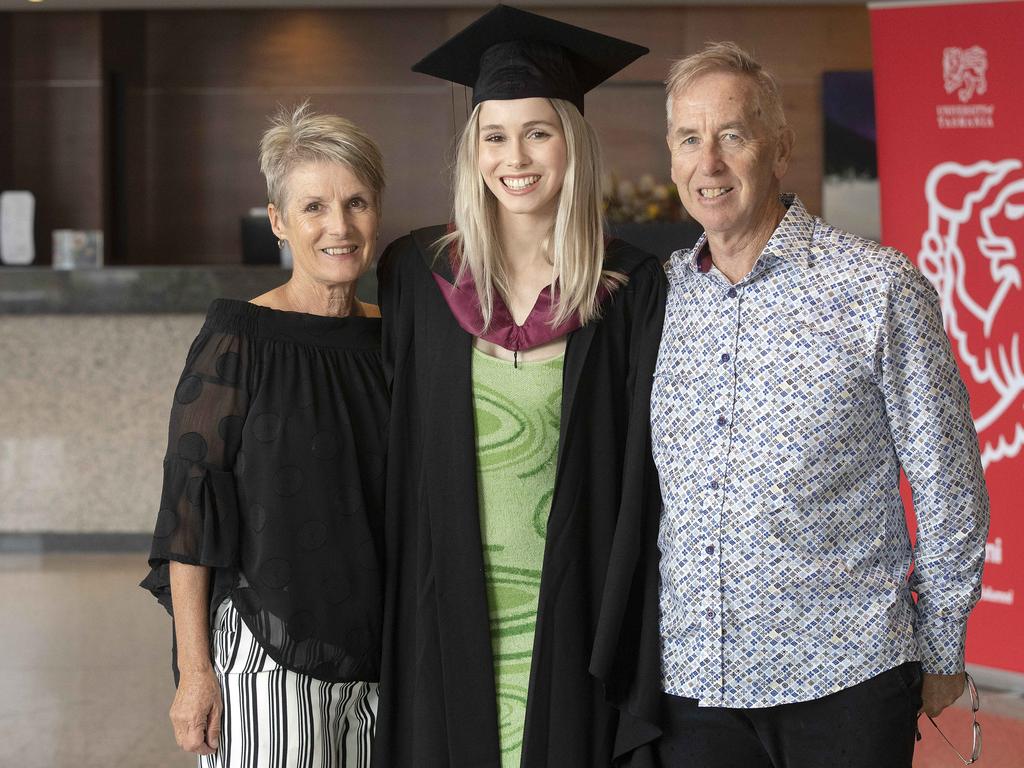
[[512, 54]]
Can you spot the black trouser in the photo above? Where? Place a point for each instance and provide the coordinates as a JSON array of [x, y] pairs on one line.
[[869, 725]]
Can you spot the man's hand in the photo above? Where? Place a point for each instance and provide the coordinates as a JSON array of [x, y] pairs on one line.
[[196, 712], [939, 691]]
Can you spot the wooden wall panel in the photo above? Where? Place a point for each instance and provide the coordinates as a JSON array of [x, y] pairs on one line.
[[56, 141], [208, 177], [196, 123], [6, 105], [356, 49], [793, 41], [56, 136], [123, 63], [802, 102], [630, 121], [56, 46]]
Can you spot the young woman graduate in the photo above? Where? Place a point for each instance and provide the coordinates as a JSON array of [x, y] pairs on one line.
[[522, 503]]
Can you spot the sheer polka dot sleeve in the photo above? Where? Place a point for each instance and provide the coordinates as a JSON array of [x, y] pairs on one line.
[[198, 518]]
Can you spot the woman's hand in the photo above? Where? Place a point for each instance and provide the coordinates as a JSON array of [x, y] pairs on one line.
[[197, 705], [196, 712]]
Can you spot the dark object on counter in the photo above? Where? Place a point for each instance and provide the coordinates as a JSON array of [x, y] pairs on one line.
[[259, 243]]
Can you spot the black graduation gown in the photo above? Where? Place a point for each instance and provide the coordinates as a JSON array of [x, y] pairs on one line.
[[595, 678]]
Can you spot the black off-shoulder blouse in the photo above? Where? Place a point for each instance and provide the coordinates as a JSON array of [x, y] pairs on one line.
[[274, 479]]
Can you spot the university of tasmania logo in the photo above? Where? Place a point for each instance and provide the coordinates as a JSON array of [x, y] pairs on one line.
[[963, 71], [972, 254]]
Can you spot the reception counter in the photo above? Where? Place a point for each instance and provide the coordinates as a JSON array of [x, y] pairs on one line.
[[88, 363], [137, 290]]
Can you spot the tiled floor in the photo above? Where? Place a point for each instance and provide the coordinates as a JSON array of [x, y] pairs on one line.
[[84, 672], [84, 677]]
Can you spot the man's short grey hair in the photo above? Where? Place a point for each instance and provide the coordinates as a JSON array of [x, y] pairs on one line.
[[301, 136], [727, 57]]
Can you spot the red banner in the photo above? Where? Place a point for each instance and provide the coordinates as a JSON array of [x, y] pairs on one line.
[[950, 121]]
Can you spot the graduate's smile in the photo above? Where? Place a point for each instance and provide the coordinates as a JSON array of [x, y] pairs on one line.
[[520, 185]]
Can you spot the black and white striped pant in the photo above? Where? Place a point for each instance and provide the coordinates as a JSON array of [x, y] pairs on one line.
[[276, 718]]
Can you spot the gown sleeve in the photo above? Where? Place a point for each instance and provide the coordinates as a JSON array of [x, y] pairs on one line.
[[198, 518], [626, 655], [389, 298]]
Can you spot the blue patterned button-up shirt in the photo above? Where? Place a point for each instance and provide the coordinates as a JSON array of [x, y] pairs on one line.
[[783, 409]]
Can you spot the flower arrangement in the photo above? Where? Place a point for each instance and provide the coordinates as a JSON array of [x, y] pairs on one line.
[[643, 201]]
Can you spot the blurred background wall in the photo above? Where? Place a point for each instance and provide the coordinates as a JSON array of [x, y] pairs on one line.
[[145, 123]]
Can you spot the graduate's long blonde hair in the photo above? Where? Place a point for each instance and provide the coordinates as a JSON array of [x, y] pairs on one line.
[[575, 245]]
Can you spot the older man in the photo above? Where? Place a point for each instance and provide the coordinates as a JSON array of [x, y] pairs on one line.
[[800, 369]]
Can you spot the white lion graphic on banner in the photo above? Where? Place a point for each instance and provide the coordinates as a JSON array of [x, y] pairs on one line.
[[965, 69], [976, 219]]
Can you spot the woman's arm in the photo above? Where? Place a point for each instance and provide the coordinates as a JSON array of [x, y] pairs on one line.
[[196, 530], [196, 710]]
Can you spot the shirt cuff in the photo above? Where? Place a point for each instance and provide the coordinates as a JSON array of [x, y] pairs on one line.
[[941, 645]]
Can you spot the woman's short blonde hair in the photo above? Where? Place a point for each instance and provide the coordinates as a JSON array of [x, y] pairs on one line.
[[575, 246], [302, 136], [727, 57]]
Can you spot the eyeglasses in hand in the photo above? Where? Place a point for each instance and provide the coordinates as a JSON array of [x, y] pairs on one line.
[[975, 706]]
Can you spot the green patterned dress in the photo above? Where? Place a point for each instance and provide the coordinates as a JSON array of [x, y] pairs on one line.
[[517, 412]]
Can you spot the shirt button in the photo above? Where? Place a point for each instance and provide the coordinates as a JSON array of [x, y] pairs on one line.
[[710, 549], [732, 293], [726, 357], [722, 421], [710, 614], [714, 485]]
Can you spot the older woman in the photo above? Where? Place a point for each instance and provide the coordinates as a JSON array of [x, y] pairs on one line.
[[269, 531], [521, 344]]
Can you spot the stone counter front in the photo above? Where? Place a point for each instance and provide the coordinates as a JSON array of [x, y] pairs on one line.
[[83, 421]]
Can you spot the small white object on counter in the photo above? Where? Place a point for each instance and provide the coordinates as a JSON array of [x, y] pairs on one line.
[[17, 221]]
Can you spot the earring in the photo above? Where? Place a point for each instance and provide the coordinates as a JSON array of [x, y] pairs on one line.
[[281, 244]]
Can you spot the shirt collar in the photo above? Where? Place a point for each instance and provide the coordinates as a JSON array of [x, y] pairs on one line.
[[790, 239]]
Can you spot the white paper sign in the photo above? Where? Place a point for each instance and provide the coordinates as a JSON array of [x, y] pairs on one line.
[[17, 217]]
